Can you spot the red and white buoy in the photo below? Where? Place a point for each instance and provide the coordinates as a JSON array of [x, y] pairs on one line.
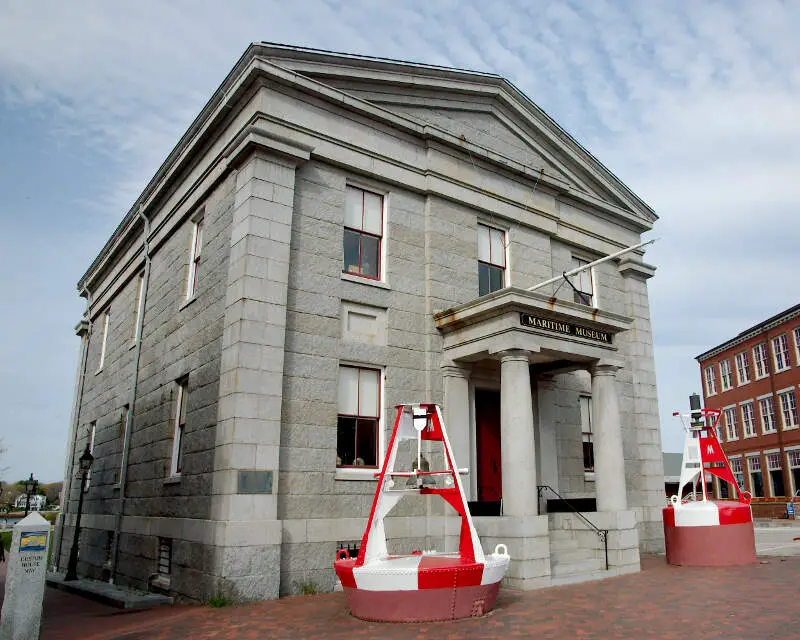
[[424, 585], [705, 532]]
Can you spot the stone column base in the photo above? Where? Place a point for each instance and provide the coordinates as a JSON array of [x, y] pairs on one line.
[[527, 539]]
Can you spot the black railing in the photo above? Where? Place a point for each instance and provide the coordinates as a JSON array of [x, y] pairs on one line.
[[602, 533]]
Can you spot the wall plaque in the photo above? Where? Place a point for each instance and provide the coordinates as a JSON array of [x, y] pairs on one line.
[[564, 328]]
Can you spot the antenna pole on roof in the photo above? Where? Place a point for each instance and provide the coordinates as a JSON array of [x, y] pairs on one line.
[[590, 265]]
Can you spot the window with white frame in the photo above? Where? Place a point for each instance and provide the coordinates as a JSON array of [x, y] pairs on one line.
[[725, 375], [194, 258], [359, 423], [748, 420], [730, 423], [137, 307], [775, 471], [586, 428], [736, 467], [179, 430], [756, 481], [788, 409], [491, 259], [794, 470], [104, 340], [92, 431], [742, 368], [767, 410], [760, 360], [780, 349], [363, 232], [711, 381], [796, 333], [584, 284]]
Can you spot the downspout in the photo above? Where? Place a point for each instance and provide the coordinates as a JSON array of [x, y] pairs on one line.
[[77, 402], [123, 470]]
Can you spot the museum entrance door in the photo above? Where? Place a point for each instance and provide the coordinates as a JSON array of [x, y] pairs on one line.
[[488, 446]]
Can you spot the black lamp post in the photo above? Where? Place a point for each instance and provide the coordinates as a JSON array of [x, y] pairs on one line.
[[85, 460], [30, 487]]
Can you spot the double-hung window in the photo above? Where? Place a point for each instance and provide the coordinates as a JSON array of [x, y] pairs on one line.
[[92, 431], [730, 424], [137, 307], [711, 381], [104, 340], [363, 233], [760, 360], [796, 333], [775, 471], [748, 420], [756, 481], [767, 410], [742, 368], [736, 467], [179, 431], [491, 259], [586, 428], [780, 347], [358, 426], [788, 409], [194, 258], [725, 375], [583, 282], [794, 468]]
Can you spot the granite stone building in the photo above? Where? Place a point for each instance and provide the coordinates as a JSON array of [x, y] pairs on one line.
[[753, 378], [334, 235]]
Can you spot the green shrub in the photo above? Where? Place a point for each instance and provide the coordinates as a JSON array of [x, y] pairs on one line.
[[5, 537], [309, 588], [219, 601]]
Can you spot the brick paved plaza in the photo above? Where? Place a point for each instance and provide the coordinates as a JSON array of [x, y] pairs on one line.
[[660, 602]]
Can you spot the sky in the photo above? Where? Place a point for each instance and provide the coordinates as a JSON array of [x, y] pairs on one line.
[[692, 104]]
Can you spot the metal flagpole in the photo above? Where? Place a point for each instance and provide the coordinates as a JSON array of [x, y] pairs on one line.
[[590, 265]]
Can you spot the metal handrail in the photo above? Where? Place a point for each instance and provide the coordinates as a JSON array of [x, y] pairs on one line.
[[602, 533]]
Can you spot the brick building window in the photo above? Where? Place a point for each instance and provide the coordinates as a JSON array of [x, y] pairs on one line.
[[760, 360], [788, 409], [363, 232], [491, 259], [775, 470], [357, 430], [756, 482], [748, 420], [179, 431], [104, 340], [736, 467], [711, 381], [767, 409], [194, 258], [796, 333], [780, 347], [794, 468], [742, 368], [730, 424], [586, 428], [725, 375]]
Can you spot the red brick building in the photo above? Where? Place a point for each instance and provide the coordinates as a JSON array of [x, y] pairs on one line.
[[754, 378]]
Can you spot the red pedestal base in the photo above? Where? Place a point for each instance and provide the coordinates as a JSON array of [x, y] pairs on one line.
[[714, 546], [422, 605]]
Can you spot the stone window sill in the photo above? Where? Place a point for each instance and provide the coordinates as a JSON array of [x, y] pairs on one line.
[[172, 480], [356, 474], [187, 302], [351, 277]]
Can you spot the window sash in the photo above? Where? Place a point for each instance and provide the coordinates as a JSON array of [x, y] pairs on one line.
[[730, 424], [104, 341], [491, 245], [137, 308], [788, 409], [754, 463], [194, 258], [774, 462], [748, 419], [711, 381], [358, 422], [760, 359], [726, 379], [767, 414], [742, 368], [736, 465], [780, 348], [182, 401], [794, 459]]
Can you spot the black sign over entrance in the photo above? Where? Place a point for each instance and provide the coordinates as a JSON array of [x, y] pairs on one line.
[[566, 328]]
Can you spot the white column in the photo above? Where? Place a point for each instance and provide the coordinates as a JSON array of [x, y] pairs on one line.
[[456, 416], [546, 436], [609, 460], [518, 450]]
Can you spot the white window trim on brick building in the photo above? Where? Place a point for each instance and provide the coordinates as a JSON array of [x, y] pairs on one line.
[[493, 254], [730, 423], [754, 467], [748, 420], [711, 381], [796, 334], [793, 462], [742, 368], [768, 423], [736, 468], [195, 254], [355, 472], [788, 407], [104, 340], [780, 353], [774, 463], [760, 355], [366, 228], [725, 375], [179, 427]]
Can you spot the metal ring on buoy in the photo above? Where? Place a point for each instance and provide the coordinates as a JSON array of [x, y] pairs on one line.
[[504, 551], [339, 555], [745, 497], [674, 500]]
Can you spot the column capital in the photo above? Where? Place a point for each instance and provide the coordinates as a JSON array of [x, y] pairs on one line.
[[455, 369], [605, 369], [514, 355]]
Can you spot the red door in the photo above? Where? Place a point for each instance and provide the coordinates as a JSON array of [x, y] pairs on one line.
[[487, 426]]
